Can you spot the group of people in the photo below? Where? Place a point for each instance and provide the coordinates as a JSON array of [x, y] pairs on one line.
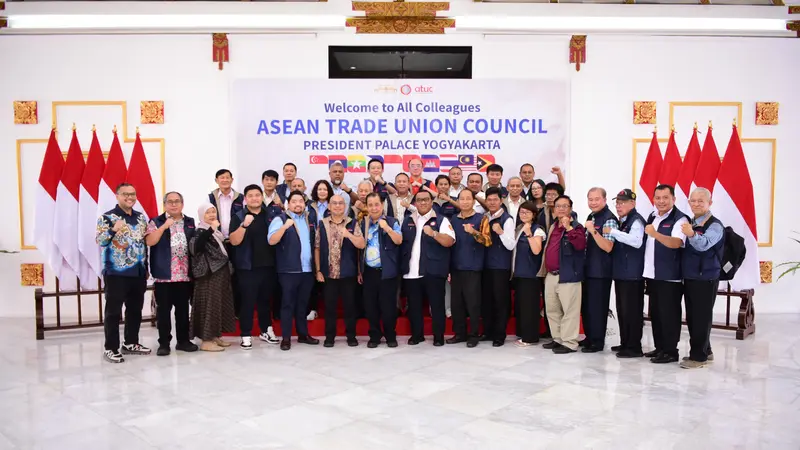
[[465, 249]]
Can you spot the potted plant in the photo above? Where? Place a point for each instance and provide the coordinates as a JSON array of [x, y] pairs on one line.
[[791, 266]]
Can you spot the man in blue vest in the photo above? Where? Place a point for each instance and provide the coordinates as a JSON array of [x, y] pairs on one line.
[[168, 237], [254, 261], [293, 235], [336, 260], [467, 266], [378, 271], [120, 235], [563, 269], [289, 174], [627, 267], [663, 274], [496, 301], [494, 178], [701, 268], [597, 285], [425, 256]]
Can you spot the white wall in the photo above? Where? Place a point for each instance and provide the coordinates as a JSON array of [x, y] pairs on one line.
[[619, 69]]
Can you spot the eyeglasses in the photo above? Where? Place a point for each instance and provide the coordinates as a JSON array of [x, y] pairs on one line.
[[423, 200], [128, 194], [172, 202], [562, 206], [415, 165], [551, 195], [335, 203]]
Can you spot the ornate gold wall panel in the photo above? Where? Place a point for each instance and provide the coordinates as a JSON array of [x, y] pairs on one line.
[[399, 17]]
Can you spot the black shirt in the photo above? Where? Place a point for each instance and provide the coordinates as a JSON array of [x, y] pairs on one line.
[[255, 237]]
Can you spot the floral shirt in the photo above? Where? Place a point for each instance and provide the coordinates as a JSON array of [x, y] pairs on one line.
[[335, 240], [179, 265], [123, 253]]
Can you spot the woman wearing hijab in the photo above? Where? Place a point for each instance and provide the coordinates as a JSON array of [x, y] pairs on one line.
[[212, 308]]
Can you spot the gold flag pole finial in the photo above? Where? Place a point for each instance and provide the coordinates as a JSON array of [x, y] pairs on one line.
[[655, 129], [734, 121], [73, 126], [137, 130], [94, 128], [115, 129], [695, 125], [672, 128], [709, 125]]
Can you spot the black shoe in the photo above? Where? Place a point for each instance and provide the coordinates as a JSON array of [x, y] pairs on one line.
[[498, 342], [438, 342], [550, 345], [472, 342], [414, 341], [616, 348], [162, 351], [286, 344], [664, 358], [456, 339], [591, 349], [584, 343], [391, 344], [653, 354], [188, 347], [307, 340], [563, 350], [625, 353], [328, 343], [372, 344], [486, 338], [352, 342]]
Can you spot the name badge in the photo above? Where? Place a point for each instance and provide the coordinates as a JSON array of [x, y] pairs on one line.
[[666, 225]]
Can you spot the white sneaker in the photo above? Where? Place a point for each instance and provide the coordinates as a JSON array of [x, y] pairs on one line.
[[312, 315], [269, 337], [448, 313], [113, 356], [247, 343]]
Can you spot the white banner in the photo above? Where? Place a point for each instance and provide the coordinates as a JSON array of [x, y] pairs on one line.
[[470, 123]]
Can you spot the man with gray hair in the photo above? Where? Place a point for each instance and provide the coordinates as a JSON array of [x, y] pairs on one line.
[[597, 285], [168, 237], [701, 261]]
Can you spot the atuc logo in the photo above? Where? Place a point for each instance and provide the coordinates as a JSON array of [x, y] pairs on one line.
[[407, 89]]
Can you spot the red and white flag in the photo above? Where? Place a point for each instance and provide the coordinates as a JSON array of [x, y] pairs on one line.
[[686, 174], [65, 227], [648, 180], [114, 173], [708, 166], [734, 205], [46, 192], [139, 177], [87, 214]]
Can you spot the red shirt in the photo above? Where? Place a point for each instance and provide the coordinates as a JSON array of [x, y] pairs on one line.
[[577, 237], [422, 181]]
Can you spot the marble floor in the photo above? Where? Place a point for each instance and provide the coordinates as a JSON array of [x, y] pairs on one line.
[[60, 394]]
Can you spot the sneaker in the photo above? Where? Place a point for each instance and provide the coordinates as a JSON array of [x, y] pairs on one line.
[[135, 349], [312, 315], [523, 344], [269, 337], [247, 343], [692, 364], [113, 356]]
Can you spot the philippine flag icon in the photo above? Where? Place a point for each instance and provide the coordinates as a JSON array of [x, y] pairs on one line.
[[430, 163]]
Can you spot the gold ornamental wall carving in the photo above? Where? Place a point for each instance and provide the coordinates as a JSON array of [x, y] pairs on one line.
[[151, 112], [400, 17], [767, 113], [644, 113], [31, 274], [26, 112], [765, 270]]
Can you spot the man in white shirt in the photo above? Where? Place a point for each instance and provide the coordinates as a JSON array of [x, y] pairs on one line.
[[336, 174], [515, 197], [662, 272], [475, 184], [425, 263], [456, 175], [497, 270]]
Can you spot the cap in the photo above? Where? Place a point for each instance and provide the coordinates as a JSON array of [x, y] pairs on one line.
[[625, 194]]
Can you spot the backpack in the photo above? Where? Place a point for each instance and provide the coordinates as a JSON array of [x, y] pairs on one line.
[[733, 254]]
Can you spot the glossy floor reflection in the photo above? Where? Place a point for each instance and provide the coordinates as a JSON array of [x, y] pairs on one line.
[[60, 394]]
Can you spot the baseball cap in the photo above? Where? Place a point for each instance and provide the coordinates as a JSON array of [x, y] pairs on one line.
[[625, 194]]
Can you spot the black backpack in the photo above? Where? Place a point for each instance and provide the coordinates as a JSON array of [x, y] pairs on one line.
[[733, 254]]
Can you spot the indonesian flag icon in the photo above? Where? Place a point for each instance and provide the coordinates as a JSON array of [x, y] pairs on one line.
[[46, 192], [65, 227], [114, 174], [649, 177], [87, 213], [139, 177], [734, 205]]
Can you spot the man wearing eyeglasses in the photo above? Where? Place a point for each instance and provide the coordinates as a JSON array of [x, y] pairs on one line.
[[563, 269], [168, 237], [415, 178], [120, 235]]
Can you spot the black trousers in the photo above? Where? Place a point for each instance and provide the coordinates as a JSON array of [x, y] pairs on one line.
[[317, 291], [346, 289], [128, 291], [237, 295], [255, 287], [546, 333], [527, 296], [169, 295], [700, 296], [496, 303], [296, 289], [666, 312], [465, 300], [380, 302], [594, 309], [630, 313], [418, 289]]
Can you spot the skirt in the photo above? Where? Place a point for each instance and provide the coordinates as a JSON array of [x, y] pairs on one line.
[[212, 306]]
